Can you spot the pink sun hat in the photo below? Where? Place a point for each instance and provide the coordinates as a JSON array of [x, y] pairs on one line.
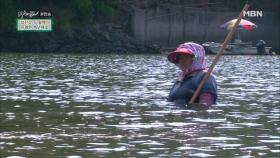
[[172, 57]]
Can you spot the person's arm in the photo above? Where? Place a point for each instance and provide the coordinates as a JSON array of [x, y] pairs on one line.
[[208, 94], [204, 100]]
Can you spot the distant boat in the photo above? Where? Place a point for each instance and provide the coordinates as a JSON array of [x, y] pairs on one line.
[[237, 48]]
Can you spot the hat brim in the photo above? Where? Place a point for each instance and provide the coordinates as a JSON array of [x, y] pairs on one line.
[[172, 57]]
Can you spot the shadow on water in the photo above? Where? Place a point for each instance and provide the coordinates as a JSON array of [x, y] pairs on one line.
[[113, 106]]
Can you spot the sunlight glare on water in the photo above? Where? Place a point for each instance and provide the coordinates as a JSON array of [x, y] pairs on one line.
[[82, 105]]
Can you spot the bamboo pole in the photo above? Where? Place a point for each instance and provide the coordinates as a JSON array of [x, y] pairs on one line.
[[217, 57]]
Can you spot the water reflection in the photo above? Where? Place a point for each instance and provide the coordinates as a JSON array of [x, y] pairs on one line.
[[114, 106]]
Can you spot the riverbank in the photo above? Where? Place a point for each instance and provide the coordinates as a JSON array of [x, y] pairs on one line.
[[93, 27]]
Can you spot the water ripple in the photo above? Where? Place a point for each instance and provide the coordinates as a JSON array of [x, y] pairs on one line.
[[73, 105]]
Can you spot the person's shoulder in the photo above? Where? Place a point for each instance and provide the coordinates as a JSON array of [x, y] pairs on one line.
[[211, 80], [212, 77], [198, 76]]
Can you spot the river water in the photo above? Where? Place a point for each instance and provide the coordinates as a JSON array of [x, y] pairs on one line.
[[81, 105]]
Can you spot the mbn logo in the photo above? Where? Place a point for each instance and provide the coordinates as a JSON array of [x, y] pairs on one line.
[[253, 13]]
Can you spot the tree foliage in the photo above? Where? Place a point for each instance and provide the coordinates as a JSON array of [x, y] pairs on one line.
[[66, 13]]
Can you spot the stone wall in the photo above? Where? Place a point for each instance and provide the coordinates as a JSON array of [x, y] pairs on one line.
[[169, 27]]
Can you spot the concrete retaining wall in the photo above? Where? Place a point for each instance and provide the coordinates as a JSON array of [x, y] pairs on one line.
[[170, 27]]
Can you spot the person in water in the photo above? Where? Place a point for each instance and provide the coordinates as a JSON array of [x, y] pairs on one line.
[[190, 58]]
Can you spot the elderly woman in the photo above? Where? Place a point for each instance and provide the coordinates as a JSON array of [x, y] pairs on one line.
[[190, 58]]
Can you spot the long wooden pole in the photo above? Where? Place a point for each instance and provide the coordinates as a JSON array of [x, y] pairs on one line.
[[217, 57]]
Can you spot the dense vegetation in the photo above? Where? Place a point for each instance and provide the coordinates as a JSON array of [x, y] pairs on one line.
[[66, 13]]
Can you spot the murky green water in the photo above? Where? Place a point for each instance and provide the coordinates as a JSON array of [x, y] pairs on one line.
[[114, 106]]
